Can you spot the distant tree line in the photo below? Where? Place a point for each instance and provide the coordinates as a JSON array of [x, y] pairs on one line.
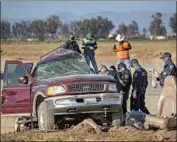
[[54, 28]]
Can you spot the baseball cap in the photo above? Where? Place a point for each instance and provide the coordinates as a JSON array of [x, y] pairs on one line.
[[164, 55], [121, 65], [133, 61]]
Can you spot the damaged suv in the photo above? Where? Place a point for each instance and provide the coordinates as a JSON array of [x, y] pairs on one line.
[[59, 89]]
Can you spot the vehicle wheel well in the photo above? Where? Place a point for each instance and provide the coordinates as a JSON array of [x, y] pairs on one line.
[[38, 101]]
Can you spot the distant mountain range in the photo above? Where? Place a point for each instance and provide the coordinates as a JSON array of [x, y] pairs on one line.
[[143, 18]]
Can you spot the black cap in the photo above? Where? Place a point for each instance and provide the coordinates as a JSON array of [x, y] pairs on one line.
[[134, 61], [121, 65], [166, 54]]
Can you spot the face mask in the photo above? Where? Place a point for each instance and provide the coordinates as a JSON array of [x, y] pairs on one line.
[[132, 70]]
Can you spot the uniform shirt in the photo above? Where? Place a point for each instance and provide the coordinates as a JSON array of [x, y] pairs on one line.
[[169, 69], [140, 79], [72, 45], [88, 44], [125, 80]]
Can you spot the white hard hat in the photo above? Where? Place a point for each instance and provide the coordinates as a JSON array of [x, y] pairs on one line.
[[120, 37]]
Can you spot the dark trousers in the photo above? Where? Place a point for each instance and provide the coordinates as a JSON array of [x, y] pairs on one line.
[[90, 57], [124, 105], [139, 102]]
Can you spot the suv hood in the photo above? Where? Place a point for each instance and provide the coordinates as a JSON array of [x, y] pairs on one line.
[[76, 78]]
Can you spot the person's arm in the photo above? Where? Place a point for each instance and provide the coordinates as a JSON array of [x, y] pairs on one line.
[[126, 46], [83, 44], [125, 80], [95, 46], [130, 47], [165, 73], [67, 45], [114, 48], [136, 85], [136, 82], [77, 48], [171, 70]]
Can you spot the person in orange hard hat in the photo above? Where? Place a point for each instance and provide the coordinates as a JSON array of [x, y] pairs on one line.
[[122, 48]]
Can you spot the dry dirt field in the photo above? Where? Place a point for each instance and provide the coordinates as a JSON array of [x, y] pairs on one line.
[[147, 52]]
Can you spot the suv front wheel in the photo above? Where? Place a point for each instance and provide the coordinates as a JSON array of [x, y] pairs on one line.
[[45, 117]]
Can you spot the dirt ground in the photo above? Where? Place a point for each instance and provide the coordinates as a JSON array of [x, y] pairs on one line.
[[84, 132], [147, 52]]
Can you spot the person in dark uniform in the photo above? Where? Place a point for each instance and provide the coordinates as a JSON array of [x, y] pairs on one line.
[[169, 68], [125, 80], [72, 45], [140, 83]]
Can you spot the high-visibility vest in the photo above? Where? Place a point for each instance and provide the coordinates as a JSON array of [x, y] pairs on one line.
[[89, 42], [122, 50]]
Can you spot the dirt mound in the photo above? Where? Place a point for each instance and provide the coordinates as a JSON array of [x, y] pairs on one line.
[[132, 134], [86, 132]]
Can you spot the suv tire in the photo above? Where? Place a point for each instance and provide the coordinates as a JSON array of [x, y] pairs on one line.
[[45, 117], [117, 118]]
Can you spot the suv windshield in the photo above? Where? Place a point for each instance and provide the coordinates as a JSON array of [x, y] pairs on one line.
[[70, 65]]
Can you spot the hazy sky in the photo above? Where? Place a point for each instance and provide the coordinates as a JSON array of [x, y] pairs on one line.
[[46, 8]]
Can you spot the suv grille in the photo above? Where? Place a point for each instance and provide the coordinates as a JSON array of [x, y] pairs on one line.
[[86, 88]]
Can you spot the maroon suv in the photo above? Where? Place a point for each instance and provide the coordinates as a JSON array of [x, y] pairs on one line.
[[62, 88]]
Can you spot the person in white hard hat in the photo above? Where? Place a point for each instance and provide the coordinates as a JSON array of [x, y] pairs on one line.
[[122, 48]]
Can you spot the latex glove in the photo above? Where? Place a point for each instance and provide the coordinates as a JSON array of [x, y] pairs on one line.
[[154, 73], [154, 83], [134, 95], [92, 48]]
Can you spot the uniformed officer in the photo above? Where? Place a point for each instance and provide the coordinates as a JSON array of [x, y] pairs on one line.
[[72, 44], [140, 83], [125, 81], [89, 45], [169, 68]]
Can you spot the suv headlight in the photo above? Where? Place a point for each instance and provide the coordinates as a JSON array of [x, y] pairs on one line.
[[53, 90], [112, 87]]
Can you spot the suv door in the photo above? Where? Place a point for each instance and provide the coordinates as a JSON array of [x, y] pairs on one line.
[[16, 96]]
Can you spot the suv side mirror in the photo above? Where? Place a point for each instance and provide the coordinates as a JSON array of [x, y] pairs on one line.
[[23, 79]]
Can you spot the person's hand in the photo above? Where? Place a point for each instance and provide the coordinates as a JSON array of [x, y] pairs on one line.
[[154, 73], [134, 95]]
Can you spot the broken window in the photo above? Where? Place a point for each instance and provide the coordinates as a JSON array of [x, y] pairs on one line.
[[14, 71], [73, 64]]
